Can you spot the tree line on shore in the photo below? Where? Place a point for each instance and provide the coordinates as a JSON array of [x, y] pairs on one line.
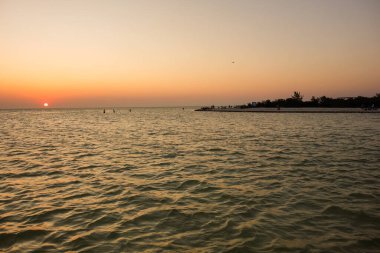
[[296, 100]]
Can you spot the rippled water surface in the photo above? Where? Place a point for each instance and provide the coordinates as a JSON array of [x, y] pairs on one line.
[[173, 180]]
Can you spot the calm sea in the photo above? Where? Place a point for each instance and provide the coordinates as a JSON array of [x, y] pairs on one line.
[[173, 180]]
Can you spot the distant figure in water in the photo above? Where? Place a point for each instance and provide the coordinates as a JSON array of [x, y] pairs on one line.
[[183, 109], [130, 110], [113, 110], [104, 110]]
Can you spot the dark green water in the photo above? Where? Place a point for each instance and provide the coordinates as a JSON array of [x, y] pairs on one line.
[[167, 180]]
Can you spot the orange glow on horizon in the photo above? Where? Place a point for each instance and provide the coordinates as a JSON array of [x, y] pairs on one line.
[[79, 54]]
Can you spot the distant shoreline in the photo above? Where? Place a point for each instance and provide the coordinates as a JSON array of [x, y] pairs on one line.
[[291, 110]]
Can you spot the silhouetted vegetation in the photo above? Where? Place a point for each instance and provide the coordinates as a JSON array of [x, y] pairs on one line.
[[296, 100]]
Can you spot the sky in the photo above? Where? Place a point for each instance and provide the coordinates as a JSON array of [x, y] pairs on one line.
[[96, 53]]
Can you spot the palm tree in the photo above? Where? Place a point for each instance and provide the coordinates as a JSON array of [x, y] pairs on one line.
[[297, 96]]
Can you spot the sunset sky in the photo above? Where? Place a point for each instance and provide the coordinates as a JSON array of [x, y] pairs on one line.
[[89, 53]]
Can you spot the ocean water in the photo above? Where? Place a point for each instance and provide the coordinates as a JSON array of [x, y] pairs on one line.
[[173, 180]]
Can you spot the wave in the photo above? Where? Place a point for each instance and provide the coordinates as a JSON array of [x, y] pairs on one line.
[[82, 181]]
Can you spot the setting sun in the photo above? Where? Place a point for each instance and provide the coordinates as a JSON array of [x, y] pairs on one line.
[[169, 53], [196, 126]]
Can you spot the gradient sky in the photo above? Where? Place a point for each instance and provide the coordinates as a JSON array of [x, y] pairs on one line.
[[78, 53]]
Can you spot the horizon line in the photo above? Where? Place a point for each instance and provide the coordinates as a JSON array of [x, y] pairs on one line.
[[92, 108]]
